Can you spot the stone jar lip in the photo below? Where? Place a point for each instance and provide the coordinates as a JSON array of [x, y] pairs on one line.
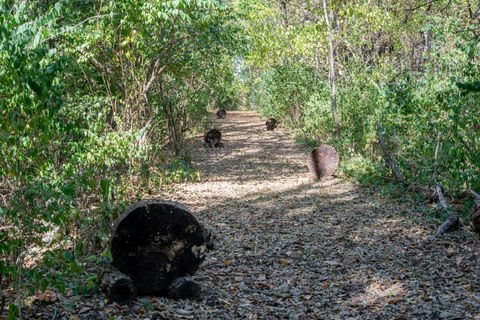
[[146, 203]]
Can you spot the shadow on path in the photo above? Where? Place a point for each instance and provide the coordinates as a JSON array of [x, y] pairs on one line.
[[291, 247]]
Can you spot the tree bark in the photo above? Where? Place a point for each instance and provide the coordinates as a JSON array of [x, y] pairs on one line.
[[391, 161], [453, 221], [476, 212], [283, 7], [331, 61]]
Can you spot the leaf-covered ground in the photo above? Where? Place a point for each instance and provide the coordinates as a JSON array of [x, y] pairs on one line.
[[288, 247]]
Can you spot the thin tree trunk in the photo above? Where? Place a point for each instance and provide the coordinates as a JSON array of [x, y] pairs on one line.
[[475, 212], [283, 7], [333, 80], [391, 160], [453, 220]]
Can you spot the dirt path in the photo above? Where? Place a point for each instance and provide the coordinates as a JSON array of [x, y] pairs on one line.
[[288, 247]]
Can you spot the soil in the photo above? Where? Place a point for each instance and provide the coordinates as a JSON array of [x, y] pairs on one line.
[[289, 247]]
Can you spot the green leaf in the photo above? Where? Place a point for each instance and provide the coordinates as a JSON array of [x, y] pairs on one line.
[[12, 311], [36, 40]]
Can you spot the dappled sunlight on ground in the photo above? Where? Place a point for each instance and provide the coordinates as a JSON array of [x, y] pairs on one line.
[[379, 292], [291, 247]]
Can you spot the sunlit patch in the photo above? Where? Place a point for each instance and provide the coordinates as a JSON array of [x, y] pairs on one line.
[[305, 211], [380, 292]]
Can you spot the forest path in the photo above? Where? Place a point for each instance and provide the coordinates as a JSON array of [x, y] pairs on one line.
[[290, 247]]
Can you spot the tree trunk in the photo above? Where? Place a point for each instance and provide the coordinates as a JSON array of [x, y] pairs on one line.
[[453, 221], [283, 7], [476, 212], [391, 161], [331, 61], [175, 134]]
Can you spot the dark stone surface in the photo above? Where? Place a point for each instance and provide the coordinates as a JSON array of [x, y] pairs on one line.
[[183, 288], [271, 124], [323, 161], [221, 114], [212, 138], [123, 291], [155, 242]]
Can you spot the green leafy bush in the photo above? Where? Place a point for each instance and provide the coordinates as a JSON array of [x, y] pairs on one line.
[[96, 102]]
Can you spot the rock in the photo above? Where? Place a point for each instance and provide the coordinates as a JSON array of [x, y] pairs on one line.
[[155, 242], [117, 286], [212, 138], [183, 288], [221, 114], [271, 124], [323, 161], [476, 218]]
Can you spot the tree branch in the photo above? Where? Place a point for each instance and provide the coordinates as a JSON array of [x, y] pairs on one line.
[[453, 221], [79, 24], [392, 163]]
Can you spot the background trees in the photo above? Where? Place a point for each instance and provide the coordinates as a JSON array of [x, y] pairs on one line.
[[411, 67]]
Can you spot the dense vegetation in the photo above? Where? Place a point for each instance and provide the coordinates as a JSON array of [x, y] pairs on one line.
[[411, 67], [98, 97]]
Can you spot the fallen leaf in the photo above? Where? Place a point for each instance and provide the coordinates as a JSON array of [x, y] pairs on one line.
[[332, 263], [284, 262]]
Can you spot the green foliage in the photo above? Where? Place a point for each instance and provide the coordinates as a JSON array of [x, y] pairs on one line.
[[419, 91], [361, 169], [96, 101], [283, 91]]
